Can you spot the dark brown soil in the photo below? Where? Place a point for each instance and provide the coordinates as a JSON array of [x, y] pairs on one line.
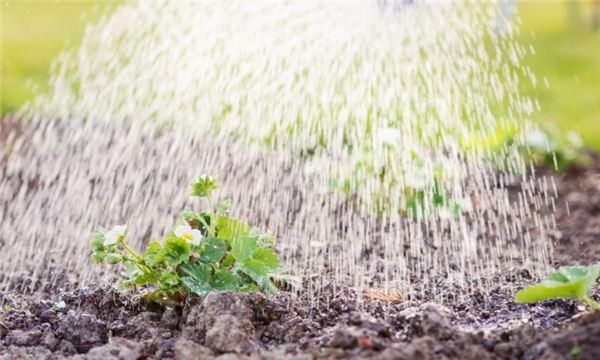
[[101, 323], [578, 213]]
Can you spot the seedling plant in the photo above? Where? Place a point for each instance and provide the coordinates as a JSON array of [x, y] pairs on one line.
[[206, 251], [569, 282]]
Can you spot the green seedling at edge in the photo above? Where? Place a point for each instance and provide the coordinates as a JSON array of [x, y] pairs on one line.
[[569, 282], [206, 251], [575, 351]]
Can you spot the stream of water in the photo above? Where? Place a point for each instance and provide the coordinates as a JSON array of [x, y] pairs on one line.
[[358, 133]]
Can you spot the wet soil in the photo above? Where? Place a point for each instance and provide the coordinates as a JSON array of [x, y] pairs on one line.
[[103, 323], [578, 212]]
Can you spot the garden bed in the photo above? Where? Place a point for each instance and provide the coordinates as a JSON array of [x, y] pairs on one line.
[[102, 323]]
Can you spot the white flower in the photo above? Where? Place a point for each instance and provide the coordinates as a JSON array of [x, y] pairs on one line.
[[389, 136], [112, 237], [185, 231]]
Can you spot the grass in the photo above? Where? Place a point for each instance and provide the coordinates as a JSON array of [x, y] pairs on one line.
[[568, 55]]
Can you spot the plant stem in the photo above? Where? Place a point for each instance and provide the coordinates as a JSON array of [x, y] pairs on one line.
[[208, 228], [593, 304], [129, 250], [212, 216], [210, 204], [139, 261]]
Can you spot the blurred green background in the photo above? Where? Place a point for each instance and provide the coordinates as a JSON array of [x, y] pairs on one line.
[[33, 34], [567, 54]]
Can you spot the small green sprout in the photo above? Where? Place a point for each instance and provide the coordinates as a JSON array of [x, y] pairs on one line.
[[204, 186], [575, 351], [569, 282], [207, 251]]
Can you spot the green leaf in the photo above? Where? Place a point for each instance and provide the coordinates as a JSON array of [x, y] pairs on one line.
[[592, 276], [145, 278], [225, 280], [196, 287], [152, 255], [198, 271], [175, 251], [575, 351], [114, 258], [168, 279], [97, 242], [204, 186], [198, 279], [565, 274], [540, 292], [228, 228], [243, 247], [227, 261], [99, 252], [212, 250], [257, 270], [259, 273], [268, 257], [571, 282], [98, 256], [130, 274]]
